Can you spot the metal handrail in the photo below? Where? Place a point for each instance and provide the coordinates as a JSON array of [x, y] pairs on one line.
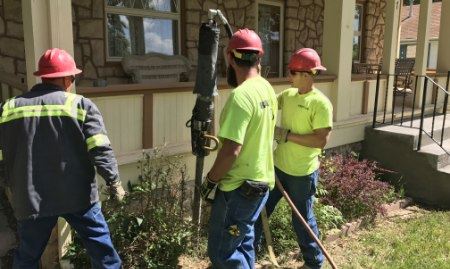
[[423, 103]]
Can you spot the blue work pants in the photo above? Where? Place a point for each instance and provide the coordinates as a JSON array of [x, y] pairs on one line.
[[89, 224], [231, 229], [301, 190]]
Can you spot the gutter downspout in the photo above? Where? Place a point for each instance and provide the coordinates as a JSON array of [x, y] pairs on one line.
[[411, 2]]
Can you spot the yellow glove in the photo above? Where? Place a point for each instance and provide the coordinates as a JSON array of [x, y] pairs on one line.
[[116, 190], [280, 135]]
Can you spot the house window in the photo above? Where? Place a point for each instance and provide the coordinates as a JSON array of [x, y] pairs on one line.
[[270, 29], [138, 27], [357, 32]]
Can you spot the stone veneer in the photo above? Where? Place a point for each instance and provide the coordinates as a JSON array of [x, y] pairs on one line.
[[12, 50], [374, 31], [303, 28], [239, 13]]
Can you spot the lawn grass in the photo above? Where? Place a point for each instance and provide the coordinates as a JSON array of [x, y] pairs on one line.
[[422, 241]]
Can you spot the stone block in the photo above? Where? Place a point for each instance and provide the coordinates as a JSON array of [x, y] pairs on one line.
[[86, 50], [309, 43], [303, 36], [83, 3], [244, 3], [311, 25], [319, 3], [207, 5], [12, 47], [319, 28], [91, 29], [193, 5], [302, 13], [310, 13], [306, 2], [21, 67], [193, 17], [105, 72], [290, 40], [2, 26], [318, 12], [13, 10], [98, 52], [291, 12], [7, 65], [89, 71], [239, 19], [83, 13], [301, 26], [293, 3], [192, 34], [14, 29], [97, 9], [292, 24], [230, 4], [78, 54], [312, 34]]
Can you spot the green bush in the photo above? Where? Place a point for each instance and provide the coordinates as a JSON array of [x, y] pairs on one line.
[[284, 238], [149, 228]]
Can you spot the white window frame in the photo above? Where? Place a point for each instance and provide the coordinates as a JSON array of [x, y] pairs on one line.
[[279, 4], [140, 13], [359, 33]]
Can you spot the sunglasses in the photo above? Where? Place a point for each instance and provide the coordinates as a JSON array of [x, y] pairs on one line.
[[311, 73]]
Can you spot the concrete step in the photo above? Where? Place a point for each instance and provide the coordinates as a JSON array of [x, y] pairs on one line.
[[436, 155], [445, 169], [406, 130]]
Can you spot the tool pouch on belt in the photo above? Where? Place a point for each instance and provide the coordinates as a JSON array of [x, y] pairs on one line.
[[253, 189]]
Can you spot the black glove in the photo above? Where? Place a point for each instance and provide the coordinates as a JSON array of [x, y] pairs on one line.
[[208, 189]]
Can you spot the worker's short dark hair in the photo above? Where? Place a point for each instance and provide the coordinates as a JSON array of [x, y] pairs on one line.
[[249, 58]]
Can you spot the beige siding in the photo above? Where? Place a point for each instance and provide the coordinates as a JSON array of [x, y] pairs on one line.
[[123, 120], [171, 111], [357, 91]]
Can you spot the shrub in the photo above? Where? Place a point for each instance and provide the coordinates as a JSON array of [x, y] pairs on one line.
[[284, 237], [353, 188], [148, 228]]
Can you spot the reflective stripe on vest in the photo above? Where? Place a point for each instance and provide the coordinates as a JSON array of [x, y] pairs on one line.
[[1, 155], [96, 141], [69, 109]]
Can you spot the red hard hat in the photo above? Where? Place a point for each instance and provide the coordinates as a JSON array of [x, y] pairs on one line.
[[56, 63], [305, 59], [245, 39]]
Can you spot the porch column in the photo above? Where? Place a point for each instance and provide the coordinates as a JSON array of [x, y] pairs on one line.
[[47, 24], [423, 39], [337, 52], [390, 45], [443, 59]]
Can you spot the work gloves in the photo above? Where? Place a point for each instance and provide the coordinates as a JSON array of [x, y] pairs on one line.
[[280, 135], [208, 189], [116, 190]]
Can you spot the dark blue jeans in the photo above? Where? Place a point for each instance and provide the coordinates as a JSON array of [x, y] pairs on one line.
[[301, 190], [90, 226], [231, 229]]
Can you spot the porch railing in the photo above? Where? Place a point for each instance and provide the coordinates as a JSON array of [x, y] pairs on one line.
[[437, 109]]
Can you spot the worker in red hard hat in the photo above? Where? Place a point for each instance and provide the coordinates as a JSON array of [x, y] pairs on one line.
[[242, 174], [306, 122], [52, 142]]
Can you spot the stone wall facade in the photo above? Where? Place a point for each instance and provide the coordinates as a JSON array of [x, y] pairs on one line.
[[89, 38], [373, 31], [303, 26], [12, 50], [239, 13]]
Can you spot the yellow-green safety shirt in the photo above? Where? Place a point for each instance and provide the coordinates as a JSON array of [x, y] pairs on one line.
[[301, 113], [248, 118]]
